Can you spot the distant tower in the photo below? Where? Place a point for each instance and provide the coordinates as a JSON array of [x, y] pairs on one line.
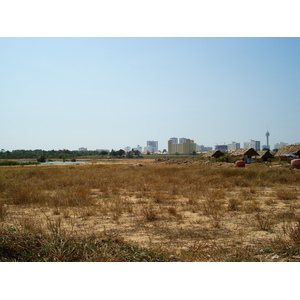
[[267, 135]]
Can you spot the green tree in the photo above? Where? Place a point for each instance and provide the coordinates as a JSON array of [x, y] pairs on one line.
[[136, 152], [42, 158], [113, 152], [120, 153], [129, 154]]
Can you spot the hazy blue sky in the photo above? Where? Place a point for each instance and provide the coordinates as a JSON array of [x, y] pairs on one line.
[[97, 93]]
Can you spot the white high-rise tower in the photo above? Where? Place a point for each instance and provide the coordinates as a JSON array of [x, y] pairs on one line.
[[267, 135]]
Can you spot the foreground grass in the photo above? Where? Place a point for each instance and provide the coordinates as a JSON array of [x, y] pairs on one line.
[[184, 211], [32, 247]]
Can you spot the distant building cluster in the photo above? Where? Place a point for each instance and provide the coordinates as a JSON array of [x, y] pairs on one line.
[[222, 148], [188, 146], [279, 145], [202, 148], [233, 146]]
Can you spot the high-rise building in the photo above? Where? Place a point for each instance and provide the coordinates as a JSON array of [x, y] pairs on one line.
[[252, 144], [174, 140], [188, 147], [233, 146], [279, 145], [202, 148], [182, 140], [138, 148], [222, 148], [152, 146]]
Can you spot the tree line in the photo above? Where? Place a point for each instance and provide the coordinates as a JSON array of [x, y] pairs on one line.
[[42, 155]]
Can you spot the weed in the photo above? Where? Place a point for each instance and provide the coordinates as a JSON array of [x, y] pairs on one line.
[[28, 224], [24, 195], [286, 215], [213, 207], [3, 211], [270, 201], [233, 204], [149, 214], [286, 194], [54, 226], [263, 221], [173, 211], [251, 206], [56, 211], [292, 230]]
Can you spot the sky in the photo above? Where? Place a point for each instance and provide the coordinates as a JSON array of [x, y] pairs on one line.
[[109, 93]]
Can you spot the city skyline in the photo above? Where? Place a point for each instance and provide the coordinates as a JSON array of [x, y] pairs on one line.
[[152, 145]]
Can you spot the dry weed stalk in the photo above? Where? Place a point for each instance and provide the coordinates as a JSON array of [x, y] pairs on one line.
[[263, 222], [286, 194], [292, 230], [3, 211], [149, 214]]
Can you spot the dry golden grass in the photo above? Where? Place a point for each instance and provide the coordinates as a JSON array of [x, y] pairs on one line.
[[196, 212]]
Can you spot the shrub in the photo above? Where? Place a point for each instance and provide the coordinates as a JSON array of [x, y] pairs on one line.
[[233, 204], [3, 211], [149, 214], [42, 158], [9, 163], [293, 231], [225, 158], [263, 221], [286, 194]]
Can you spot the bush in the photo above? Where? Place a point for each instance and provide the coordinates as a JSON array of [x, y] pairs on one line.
[[16, 163], [224, 158], [9, 163], [42, 158]]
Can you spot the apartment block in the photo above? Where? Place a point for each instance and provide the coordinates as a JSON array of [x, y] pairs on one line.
[[233, 146], [152, 146], [174, 140], [138, 148], [202, 148], [279, 145], [188, 147], [252, 144], [222, 148]]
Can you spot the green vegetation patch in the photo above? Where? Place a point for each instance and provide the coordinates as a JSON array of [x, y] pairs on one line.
[[33, 247], [17, 163]]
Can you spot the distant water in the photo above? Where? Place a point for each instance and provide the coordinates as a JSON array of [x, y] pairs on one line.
[[64, 162]]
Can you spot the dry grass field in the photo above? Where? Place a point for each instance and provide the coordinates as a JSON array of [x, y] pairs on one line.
[[158, 211]]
